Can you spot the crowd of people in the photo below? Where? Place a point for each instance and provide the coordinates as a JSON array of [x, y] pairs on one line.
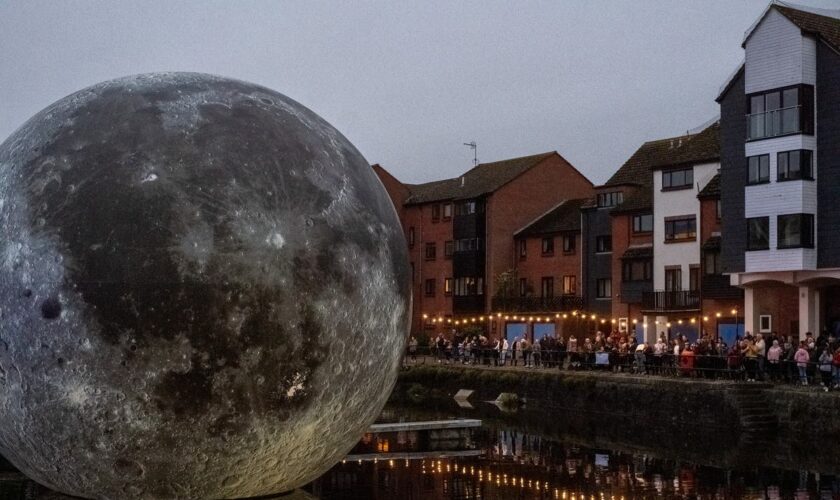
[[770, 358]]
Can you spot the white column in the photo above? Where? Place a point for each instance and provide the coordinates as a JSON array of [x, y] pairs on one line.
[[809, 311], [750, 314], [650, 330], [662, 326]]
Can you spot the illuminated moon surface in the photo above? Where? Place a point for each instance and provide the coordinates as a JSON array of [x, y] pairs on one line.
[[204, 291]]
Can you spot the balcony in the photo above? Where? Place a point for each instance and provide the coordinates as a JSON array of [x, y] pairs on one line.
[[667, 300], [774, 123], [468, 304], [537, 304]]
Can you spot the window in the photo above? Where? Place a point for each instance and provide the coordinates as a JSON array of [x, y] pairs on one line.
[[469, 286], [569, 284], [765, 323], [523, 287], [718, 208], [548, 245], [781, 111], [643, 223], [637, 270], [435, 212], [794, 165], [469, 207], [603, 244], [411, 236], [569, 243], [693, 277], [447, 210], [758, 169], [603, 288], [448, 248], [678, 179], [547, 287], [430, 287], [431, 251], [711, 264], [412, 273], [447, 286], [796, 231], [758, 233], [607, 200], [682, 228], [673, 279], [523, 249], [469, 244]]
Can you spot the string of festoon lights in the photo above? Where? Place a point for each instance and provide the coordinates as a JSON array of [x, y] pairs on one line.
[[568, 316]]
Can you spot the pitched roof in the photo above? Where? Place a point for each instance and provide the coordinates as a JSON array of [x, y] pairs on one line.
[[712, 188], [636, 170], [483, 179], [638, 201], [824, 27], [638, 252], [563, 217], [700, 147]]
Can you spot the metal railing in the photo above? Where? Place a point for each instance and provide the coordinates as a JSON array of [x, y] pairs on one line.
[[772, 123], [671, 300], [537, 304], [731, 366]]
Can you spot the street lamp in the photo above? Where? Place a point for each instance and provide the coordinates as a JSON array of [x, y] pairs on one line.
[[734, 312]]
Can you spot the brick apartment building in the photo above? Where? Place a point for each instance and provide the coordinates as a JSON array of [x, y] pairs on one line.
[[460, 231]]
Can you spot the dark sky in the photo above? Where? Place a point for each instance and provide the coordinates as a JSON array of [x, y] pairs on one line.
[[409, 82]]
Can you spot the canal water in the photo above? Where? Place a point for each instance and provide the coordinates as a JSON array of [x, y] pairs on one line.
[[525, 454]]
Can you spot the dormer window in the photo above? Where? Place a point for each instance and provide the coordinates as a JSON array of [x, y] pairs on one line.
[[611, 199]]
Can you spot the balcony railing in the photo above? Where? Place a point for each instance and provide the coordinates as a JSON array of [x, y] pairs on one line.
[[681, 300], [773, 123], [538, 304]]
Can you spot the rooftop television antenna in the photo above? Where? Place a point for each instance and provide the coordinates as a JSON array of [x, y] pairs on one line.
[[474, 147]]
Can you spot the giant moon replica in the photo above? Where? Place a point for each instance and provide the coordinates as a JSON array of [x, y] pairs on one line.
[[203, 291]]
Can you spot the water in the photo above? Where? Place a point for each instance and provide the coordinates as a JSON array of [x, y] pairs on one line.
[[540, 453], [518, 456]]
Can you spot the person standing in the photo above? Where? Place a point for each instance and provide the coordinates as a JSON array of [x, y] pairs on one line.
[[774, 356], [801, 357]]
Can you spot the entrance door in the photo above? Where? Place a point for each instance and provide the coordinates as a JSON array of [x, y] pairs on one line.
[[543, 330], [729, 332]]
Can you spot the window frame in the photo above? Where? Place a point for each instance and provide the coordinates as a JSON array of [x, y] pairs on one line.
[[669, 175], [569, 249], [448, 248], [547, 280], [640, 218], [430, 252], [805, 220], [411, 237], [671, 222], [523, 287], [749, 220], [522, 251], [569, 279], [603, 288], [547, 246], [447, 286], [435, 212], [429, 287], [629, 266], [447, 207], [600, 241], [715, 268], [759, 180], [610, 199], [801, 153]]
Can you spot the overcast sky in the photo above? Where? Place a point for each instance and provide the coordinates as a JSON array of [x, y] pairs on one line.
[[409, 82]]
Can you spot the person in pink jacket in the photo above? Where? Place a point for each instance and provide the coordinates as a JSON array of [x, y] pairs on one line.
[[774, 355], [802, 357]]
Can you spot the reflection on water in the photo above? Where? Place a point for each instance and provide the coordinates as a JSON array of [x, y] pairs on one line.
[[500, 461], [509, 459]]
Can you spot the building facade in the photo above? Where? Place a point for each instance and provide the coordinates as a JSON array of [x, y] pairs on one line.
[[780, 155], [460, 232]]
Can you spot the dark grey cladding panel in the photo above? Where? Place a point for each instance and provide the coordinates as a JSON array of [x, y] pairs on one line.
[[732, 176], [828, 156], [596, 222]]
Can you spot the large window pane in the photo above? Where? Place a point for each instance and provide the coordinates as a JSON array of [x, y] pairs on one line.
[[772, 101], [796, 230], [790, 97], [757, 104], [758, 233]]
